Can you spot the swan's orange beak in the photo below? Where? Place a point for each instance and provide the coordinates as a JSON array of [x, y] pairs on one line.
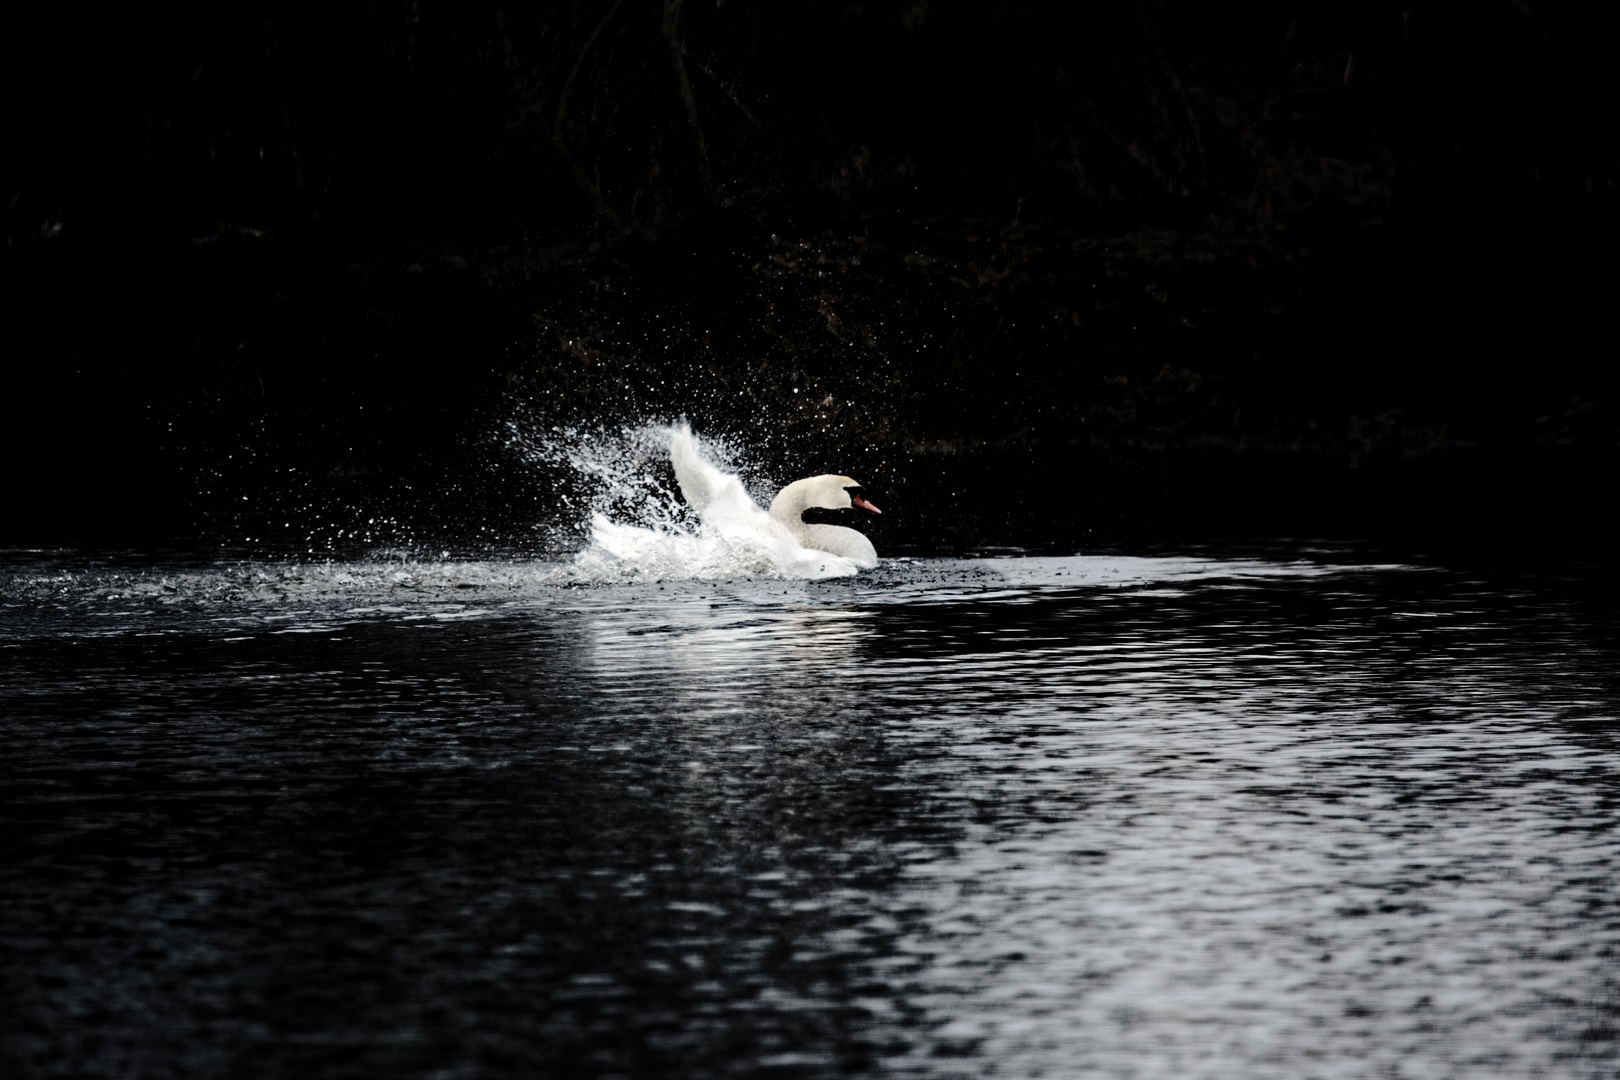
[[855, 498]]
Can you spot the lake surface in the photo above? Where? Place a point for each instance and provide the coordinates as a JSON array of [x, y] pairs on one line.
[[1091, 816]]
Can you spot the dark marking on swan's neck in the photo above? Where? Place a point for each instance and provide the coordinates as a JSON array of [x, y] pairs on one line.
[[817, 515]]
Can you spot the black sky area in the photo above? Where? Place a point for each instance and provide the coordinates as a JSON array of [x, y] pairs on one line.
[[1038, 274]]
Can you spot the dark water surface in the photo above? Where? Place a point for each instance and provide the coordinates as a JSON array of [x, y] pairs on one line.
[[1023, 817]]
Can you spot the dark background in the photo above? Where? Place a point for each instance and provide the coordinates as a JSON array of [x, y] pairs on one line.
[[1092, 273]]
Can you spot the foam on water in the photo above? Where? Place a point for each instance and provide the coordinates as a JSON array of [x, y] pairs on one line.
[[715, 531]]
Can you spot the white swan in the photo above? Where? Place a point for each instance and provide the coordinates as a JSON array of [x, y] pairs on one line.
[[737, 537], [830, 493]]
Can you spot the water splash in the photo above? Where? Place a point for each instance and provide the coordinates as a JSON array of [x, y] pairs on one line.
[[663, 504]]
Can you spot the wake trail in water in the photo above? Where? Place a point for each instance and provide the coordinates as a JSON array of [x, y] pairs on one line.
[[715, 530]]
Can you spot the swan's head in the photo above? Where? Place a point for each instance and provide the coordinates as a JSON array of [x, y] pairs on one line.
[[838, 493]]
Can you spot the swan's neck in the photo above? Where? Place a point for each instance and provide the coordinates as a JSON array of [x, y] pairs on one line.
[[790, 504], [788, 508]]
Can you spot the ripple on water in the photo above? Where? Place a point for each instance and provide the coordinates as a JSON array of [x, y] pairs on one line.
[[1087, 816]]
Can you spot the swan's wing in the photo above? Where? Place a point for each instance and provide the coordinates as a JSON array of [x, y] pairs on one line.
[[695, 475]]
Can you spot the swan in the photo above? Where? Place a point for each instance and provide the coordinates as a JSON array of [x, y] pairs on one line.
[[743, 532], [828, 492]]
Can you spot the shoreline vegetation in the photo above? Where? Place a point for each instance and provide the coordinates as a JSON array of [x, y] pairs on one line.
[[1130, 272]]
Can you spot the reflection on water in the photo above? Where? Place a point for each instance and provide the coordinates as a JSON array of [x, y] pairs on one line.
[[1134, 818]]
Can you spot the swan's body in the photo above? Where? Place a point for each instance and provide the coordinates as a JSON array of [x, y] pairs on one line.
[[829, 493]]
